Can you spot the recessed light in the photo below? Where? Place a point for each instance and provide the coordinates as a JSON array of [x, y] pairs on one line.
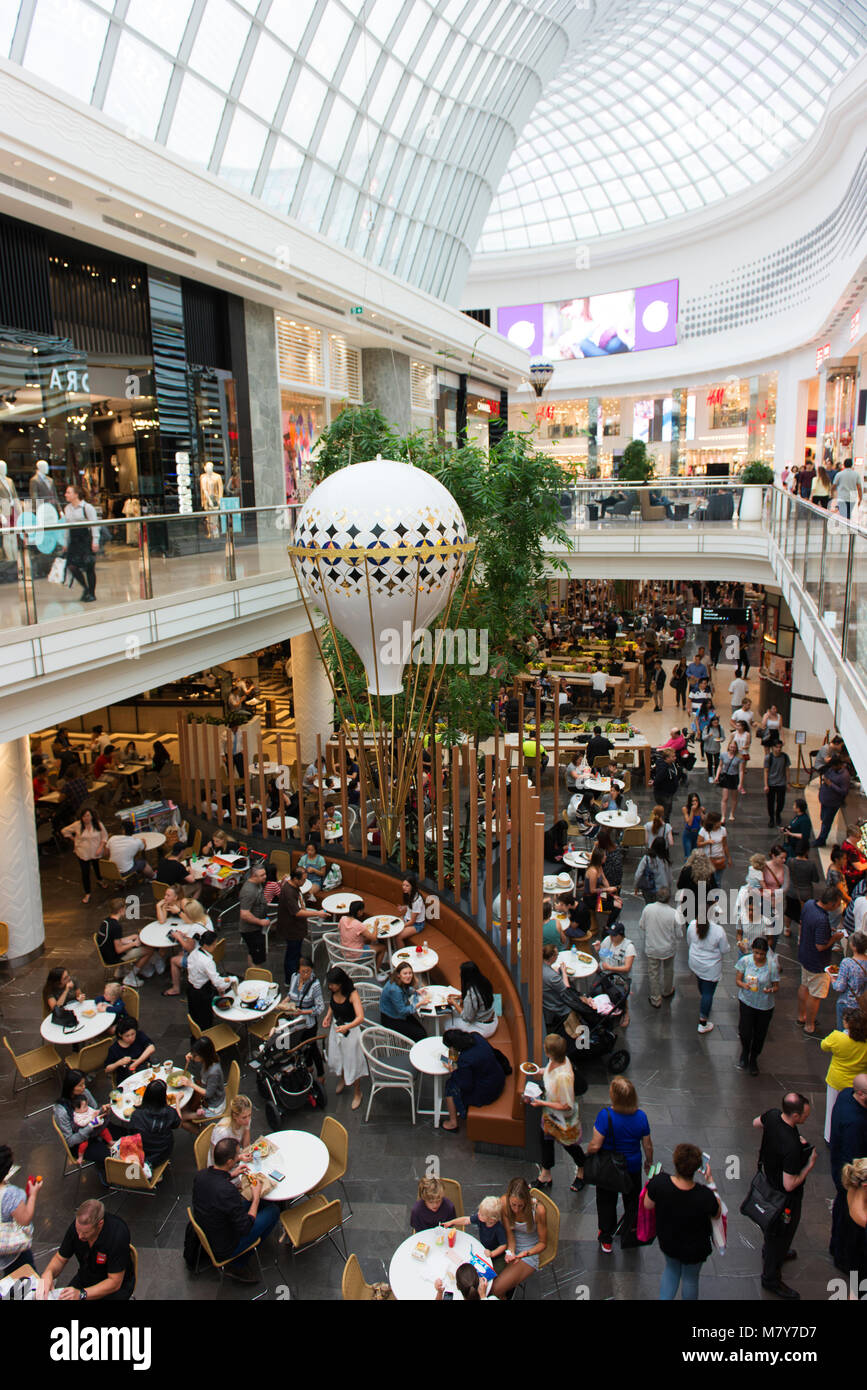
[[18, 163], [243, 259], [184, 236], [52, 178], [138, 214]]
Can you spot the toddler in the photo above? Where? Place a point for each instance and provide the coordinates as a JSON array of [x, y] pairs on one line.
[[83, 1114]]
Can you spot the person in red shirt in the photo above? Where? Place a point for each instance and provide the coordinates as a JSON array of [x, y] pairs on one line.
[[676, 741], [103, 761]]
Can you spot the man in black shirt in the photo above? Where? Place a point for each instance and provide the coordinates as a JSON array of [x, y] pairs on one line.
[[172, 870], [230, 1223], [848, 1142], [599, 746], [786, 1160], [665, 779], [116, 949], [100, 1242]]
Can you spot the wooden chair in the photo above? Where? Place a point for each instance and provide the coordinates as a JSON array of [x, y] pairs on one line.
[[112, 874], [206, 1246], [91, 1057], [336, 1140], [233, 1082], [195, 847], [221, 1035], [354, 1286], [131, 1001], [453, 1191], [70, 1165], [260, 1026], [282, 861], [202, 1145], [125, 1176], [602, 761], [133, 1259], [219, 950], [633, 837], [552, 1242], [109, 972], [258, 972], [313, 1221], [29, 1065], [160, 889]]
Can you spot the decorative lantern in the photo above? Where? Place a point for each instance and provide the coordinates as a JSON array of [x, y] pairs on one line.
[[540, 374]]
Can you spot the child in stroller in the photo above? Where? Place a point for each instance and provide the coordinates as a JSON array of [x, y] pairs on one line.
[[286, 1076]]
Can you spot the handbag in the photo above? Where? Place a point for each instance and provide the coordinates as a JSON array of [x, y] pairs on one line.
[[64, 1018], [763, 1203], [719, 1227], [57, 573], [607, 1169]]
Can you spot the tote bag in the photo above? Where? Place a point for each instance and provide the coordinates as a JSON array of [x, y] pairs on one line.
[[607, 1169]]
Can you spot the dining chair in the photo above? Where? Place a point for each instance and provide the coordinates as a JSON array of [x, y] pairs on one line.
[[221, 1035], [258, 972], [70, 1163], [353, 1286], [32, 1064], [453, 1191], [131, 1001], [219, 1265], [125, 1176], [202, 1145], [336, 1140], [552, 1239], [91, 1057], [313, 1221], [389, 1068]]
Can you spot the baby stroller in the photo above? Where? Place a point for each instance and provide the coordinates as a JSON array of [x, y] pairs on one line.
[[600, 1037], [285, 1077]]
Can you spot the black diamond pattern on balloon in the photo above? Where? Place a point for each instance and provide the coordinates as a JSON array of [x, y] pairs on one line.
[[352, 532]]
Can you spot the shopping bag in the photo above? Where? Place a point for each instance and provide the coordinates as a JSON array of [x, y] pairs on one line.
[[719, 1227], [57, 573]]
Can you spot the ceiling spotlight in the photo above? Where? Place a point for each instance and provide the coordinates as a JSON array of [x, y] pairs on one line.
[[52, 178], [138, 214], [18, 163], [243, 259]]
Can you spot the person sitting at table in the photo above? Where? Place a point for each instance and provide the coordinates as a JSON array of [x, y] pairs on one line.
[[490, 1231], [314, 830], [127, 852], [111, 999], [577, 769], [414, 914], [343, 1020], [58, 989], [598, 892], [219, 843], [171, 869], [477, 1002], [105, 759], [203, 980], [208, 1101], [476, 1076], [432, 1207], [314, 865], [129, 1051], [235, 1124], [314, 773], [304, 1006], [230, 1223], [526, 1224], [17, 1206], [192, 923], [552, 932], [116, 949], [171, 904], [99, 1240], [155, 1120], [72, 1091], [358, 938], [398, 1004], [333, 813], [556, 837]]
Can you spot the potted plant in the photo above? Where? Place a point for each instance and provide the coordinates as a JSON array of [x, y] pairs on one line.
[[755, 478], [636, 466]]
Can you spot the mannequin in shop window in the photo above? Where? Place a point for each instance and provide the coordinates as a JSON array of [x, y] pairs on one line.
[[10, 510], [42, 487], [211, 486], [131, 508]]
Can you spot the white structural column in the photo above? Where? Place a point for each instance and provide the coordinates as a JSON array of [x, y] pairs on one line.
[[20, 892], [311, 692]]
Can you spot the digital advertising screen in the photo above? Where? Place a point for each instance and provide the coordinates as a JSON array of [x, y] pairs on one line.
[[596, 325]]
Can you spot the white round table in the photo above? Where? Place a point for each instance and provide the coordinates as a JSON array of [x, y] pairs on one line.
[[338, 903], [556, 883], [141, 1078], [576, 859], [88, 1028], [301, 1158], [428, 1058], [421, 961], [254, 989], [438, 996], [329, 784], [619, 820], [412, 1279], [157, 933], [332, 835], [578, 969], [273, 822], [153, 839], [386, 927]]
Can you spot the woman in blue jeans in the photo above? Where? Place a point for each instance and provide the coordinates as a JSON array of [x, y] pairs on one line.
[[707, 944], [684, 1212]]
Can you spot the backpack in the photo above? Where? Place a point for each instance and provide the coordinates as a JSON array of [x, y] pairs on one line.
[[192, 1247], [647, 880], [333, 878]]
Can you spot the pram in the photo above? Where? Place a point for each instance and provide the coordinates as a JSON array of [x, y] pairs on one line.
[[285, 1077], [598, 1036]]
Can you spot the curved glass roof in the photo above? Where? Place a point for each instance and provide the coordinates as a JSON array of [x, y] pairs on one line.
[[382, 124], [663, 109]]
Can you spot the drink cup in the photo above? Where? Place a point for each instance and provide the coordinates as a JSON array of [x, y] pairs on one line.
[[452, 1234]]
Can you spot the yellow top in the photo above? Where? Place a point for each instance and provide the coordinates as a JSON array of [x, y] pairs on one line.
[[847, 1060]]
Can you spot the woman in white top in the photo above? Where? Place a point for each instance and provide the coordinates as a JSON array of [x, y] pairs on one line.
[[234, 1125], [771, 724], [658, 827], [413, 912], [193, 923], [577, 769], [713, 840], [742, 738], [88, 840], [707, 943]]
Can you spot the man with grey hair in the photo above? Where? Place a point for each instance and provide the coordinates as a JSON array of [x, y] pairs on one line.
[[100, 1242], [659, 921]]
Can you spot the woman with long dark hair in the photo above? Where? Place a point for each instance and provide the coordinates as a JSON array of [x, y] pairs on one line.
[[413, 911], [72, 1091], [398, 1004], [204, 1064], [154, 1120], [707, 944], [89, 839], [58, 989], [477, 1002], [343, 1022]]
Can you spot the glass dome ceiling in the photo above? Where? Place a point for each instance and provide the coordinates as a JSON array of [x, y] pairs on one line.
[[662, 109]]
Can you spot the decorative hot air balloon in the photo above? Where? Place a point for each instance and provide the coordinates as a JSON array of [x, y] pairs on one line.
[[380, 546], [379, 549]]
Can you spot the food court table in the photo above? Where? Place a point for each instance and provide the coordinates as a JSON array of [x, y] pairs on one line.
[[91, 1024], [124, 1107], [248, 989], [617, 820], [569, 742], [421, 961], [273, 822], [386, 927], [429, 1059], [153, 839], [439, 997], [156, 934], [412, 1279], [302, 1159], [613, 684], [557, 883], [579, 964], [576, 859], [338, 903]]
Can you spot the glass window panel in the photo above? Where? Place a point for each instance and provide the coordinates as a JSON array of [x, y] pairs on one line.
[[282, 176], [316, 192], [342, 213], [217, 47], [243, 150], [288, 19], [266, 77], [137, 86], [8, 21], [404, 43], [197, 117], [335, 136], [365, 140], [304, 106], [326, 47], [383, 17], [163, 21], [383, 94], [65, 45]]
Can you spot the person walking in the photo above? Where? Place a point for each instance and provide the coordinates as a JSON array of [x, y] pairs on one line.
[[693, 813], [777, 764], [81, 543], [621, 1128], [757, 976], [814, 949], [848, 1049], [711, 743], [89, 839], [786, 1159], [848, 1143], [678, 680], [847, 491], [850, 982], [728, 776], [833, 790], [561, 1119], [707, 944], [662, 931], [684, 1213]]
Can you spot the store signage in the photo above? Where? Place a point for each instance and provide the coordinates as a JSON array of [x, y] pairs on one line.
[[716, 396], [68, 379], [822, 354], [357, 309], [185, 490]]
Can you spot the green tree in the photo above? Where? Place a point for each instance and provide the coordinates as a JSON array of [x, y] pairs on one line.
[[636, 465]]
